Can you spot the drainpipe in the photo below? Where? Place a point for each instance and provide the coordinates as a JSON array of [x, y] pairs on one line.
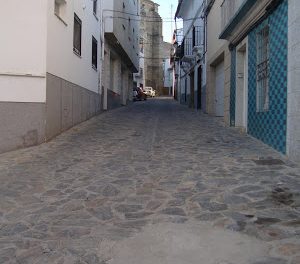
[[104, 90]]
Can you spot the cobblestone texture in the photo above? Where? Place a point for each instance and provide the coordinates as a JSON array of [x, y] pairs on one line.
[[69, 200]]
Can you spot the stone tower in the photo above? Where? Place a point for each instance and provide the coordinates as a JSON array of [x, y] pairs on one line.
[[151, 38]]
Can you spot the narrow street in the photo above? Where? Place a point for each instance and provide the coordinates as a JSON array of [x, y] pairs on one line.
[[153, 182]]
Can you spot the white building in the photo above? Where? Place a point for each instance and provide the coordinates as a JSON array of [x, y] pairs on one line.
[[191, 75], [168, 76], [167, 68], [139, 78], [49, 68], [121, 54]]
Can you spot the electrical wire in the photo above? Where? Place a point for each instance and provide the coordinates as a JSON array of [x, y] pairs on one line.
[[150, 21], [166, 19], [127, 13], [153, 58]]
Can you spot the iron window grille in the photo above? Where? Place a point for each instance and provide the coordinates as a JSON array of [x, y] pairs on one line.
[[77, 35], [262, 70], [94, 53], [188, 46]]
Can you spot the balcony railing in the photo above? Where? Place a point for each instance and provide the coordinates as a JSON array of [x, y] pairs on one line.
[[228, 10], [188, 47]]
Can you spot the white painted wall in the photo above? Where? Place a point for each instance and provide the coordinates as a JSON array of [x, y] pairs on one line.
[[214, 44], [139, 77], [293, 119], [168, 77], [114, 22], [61, 60], [23, 51], [191, 9]]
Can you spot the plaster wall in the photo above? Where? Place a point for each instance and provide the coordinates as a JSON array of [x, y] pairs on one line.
[[123, 26], [217, 52], [293, 97], [213, 30], [23, 51], [191, 9], [61, 60]]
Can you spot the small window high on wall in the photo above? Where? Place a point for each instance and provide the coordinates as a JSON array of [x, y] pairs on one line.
[[77, 35], [262, 70]]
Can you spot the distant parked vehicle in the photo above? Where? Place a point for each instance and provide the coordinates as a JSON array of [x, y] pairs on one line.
[[139, 94], [149, 91]]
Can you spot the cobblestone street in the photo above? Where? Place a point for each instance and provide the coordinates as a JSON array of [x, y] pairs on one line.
[[154, 182]]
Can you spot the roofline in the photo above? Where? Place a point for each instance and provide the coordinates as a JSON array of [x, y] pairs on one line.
[[178, 8]]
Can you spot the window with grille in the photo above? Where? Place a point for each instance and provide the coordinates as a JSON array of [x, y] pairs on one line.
[[262, 70], [77, 35], [94, 53]]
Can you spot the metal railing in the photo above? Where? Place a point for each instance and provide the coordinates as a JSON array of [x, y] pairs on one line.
[[228, 10], [188, 47]]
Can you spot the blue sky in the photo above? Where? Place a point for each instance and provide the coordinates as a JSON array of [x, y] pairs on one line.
[[165, 13]]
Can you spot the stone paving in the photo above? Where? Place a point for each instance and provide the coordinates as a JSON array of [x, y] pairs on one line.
[[154, 162]]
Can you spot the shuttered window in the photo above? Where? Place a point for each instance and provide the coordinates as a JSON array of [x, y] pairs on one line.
[[77, 35]]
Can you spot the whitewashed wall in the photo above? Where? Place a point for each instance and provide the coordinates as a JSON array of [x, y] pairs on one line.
[[114, 22], [23, 51], [191, 9], [61, 60], [214, 44], [168, 77]]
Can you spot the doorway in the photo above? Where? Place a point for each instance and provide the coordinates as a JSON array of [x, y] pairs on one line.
[[192, 90], [199, 86]]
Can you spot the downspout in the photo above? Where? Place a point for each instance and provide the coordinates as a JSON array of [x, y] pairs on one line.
[[104, 90]]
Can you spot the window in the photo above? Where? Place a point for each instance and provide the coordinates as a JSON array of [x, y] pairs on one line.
[[95, 2], [194, 36], [60, 9], [77, 35], [94, 53], [262, 70]]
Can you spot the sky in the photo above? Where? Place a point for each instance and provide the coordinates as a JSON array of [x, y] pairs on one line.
[[165, 13]]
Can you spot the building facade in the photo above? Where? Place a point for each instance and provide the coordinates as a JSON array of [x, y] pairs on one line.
[[167, 69], [259, 44], [121, 51], [49, 81], [191, 77], [217, 63], [151, 40]]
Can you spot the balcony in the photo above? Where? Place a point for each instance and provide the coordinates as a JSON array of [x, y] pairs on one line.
[[188, 47], [232, 13]]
